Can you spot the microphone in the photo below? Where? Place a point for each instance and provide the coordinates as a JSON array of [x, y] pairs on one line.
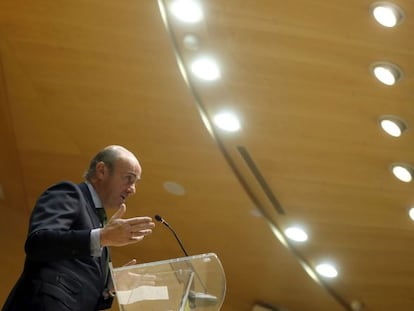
[[162, 220], [196, 299]]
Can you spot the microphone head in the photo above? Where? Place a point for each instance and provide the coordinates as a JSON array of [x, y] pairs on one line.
[[158, 218]]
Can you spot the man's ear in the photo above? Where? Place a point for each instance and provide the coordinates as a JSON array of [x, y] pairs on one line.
[[100, 170]]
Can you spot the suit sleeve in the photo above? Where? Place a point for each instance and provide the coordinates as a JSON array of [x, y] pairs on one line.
[[51, 232]]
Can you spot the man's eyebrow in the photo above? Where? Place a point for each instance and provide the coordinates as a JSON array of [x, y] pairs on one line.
[[134, 175]]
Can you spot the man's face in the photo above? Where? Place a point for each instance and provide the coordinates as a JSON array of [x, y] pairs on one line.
[[118, 185]]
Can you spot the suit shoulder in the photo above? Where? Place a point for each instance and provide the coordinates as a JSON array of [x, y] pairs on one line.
[[64, 187]]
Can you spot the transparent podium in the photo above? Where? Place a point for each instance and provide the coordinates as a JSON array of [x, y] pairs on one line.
[[181, 284]]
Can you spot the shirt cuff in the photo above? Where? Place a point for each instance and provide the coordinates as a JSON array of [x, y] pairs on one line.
[[96, 249]]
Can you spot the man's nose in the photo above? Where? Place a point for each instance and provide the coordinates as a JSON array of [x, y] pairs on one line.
[[131, 189]]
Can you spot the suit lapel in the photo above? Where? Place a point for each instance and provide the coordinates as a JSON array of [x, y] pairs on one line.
[[104, 259], [90, 206]]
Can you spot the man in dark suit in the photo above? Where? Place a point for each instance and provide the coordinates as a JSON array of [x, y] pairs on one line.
[[66, 266]]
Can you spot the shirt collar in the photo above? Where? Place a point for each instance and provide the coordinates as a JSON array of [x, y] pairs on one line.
[[95, 198]]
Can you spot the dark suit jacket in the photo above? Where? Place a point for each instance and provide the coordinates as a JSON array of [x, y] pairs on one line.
[[59, 271]]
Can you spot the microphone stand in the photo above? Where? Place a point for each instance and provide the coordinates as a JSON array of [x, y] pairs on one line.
[[160, 219], [193, 296]]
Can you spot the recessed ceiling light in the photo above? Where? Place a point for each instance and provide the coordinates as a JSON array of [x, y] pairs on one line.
[[392, 125], [296, 234], [205, 68], [327, 270], [256, 213], [188, 11], [356, 305], [387, 14], [227, 121], [386, 72], [411, 213], [174, 188], [403, 172]]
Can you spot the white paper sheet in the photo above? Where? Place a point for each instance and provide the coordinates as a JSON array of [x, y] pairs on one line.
[[142, 293]]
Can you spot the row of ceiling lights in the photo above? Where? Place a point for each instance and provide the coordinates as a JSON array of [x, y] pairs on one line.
[[390, 15], [205, 68]]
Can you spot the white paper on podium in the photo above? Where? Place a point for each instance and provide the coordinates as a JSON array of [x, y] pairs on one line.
[[142, 293]]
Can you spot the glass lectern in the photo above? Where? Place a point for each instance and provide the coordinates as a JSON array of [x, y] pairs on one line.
[[180, 284]]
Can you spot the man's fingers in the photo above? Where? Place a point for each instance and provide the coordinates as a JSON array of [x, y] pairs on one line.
[[141, 226], [141, 229], [142, 233], [139, 220], [120, 212], [136, 238], [131, 263], [119, 231]]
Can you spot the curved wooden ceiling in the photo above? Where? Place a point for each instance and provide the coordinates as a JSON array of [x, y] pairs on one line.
[[78, 75]]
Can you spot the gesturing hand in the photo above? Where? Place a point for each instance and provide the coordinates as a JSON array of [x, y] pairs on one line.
[[120, 232]]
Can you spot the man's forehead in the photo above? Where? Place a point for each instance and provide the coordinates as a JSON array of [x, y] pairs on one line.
[[128, 166]]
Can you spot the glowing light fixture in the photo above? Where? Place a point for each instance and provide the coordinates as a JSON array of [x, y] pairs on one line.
[[387, 14], [188, 11], [403, 172], [411, 213], [206, 69], [227, 121], [327, 270], [296, 234], [387, 73], [392, 125]]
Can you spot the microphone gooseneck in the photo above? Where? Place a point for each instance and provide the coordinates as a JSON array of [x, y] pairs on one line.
[[162, 220], [195, 298]]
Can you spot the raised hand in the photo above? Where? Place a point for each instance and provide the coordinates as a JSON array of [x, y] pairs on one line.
[[120, 232]]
